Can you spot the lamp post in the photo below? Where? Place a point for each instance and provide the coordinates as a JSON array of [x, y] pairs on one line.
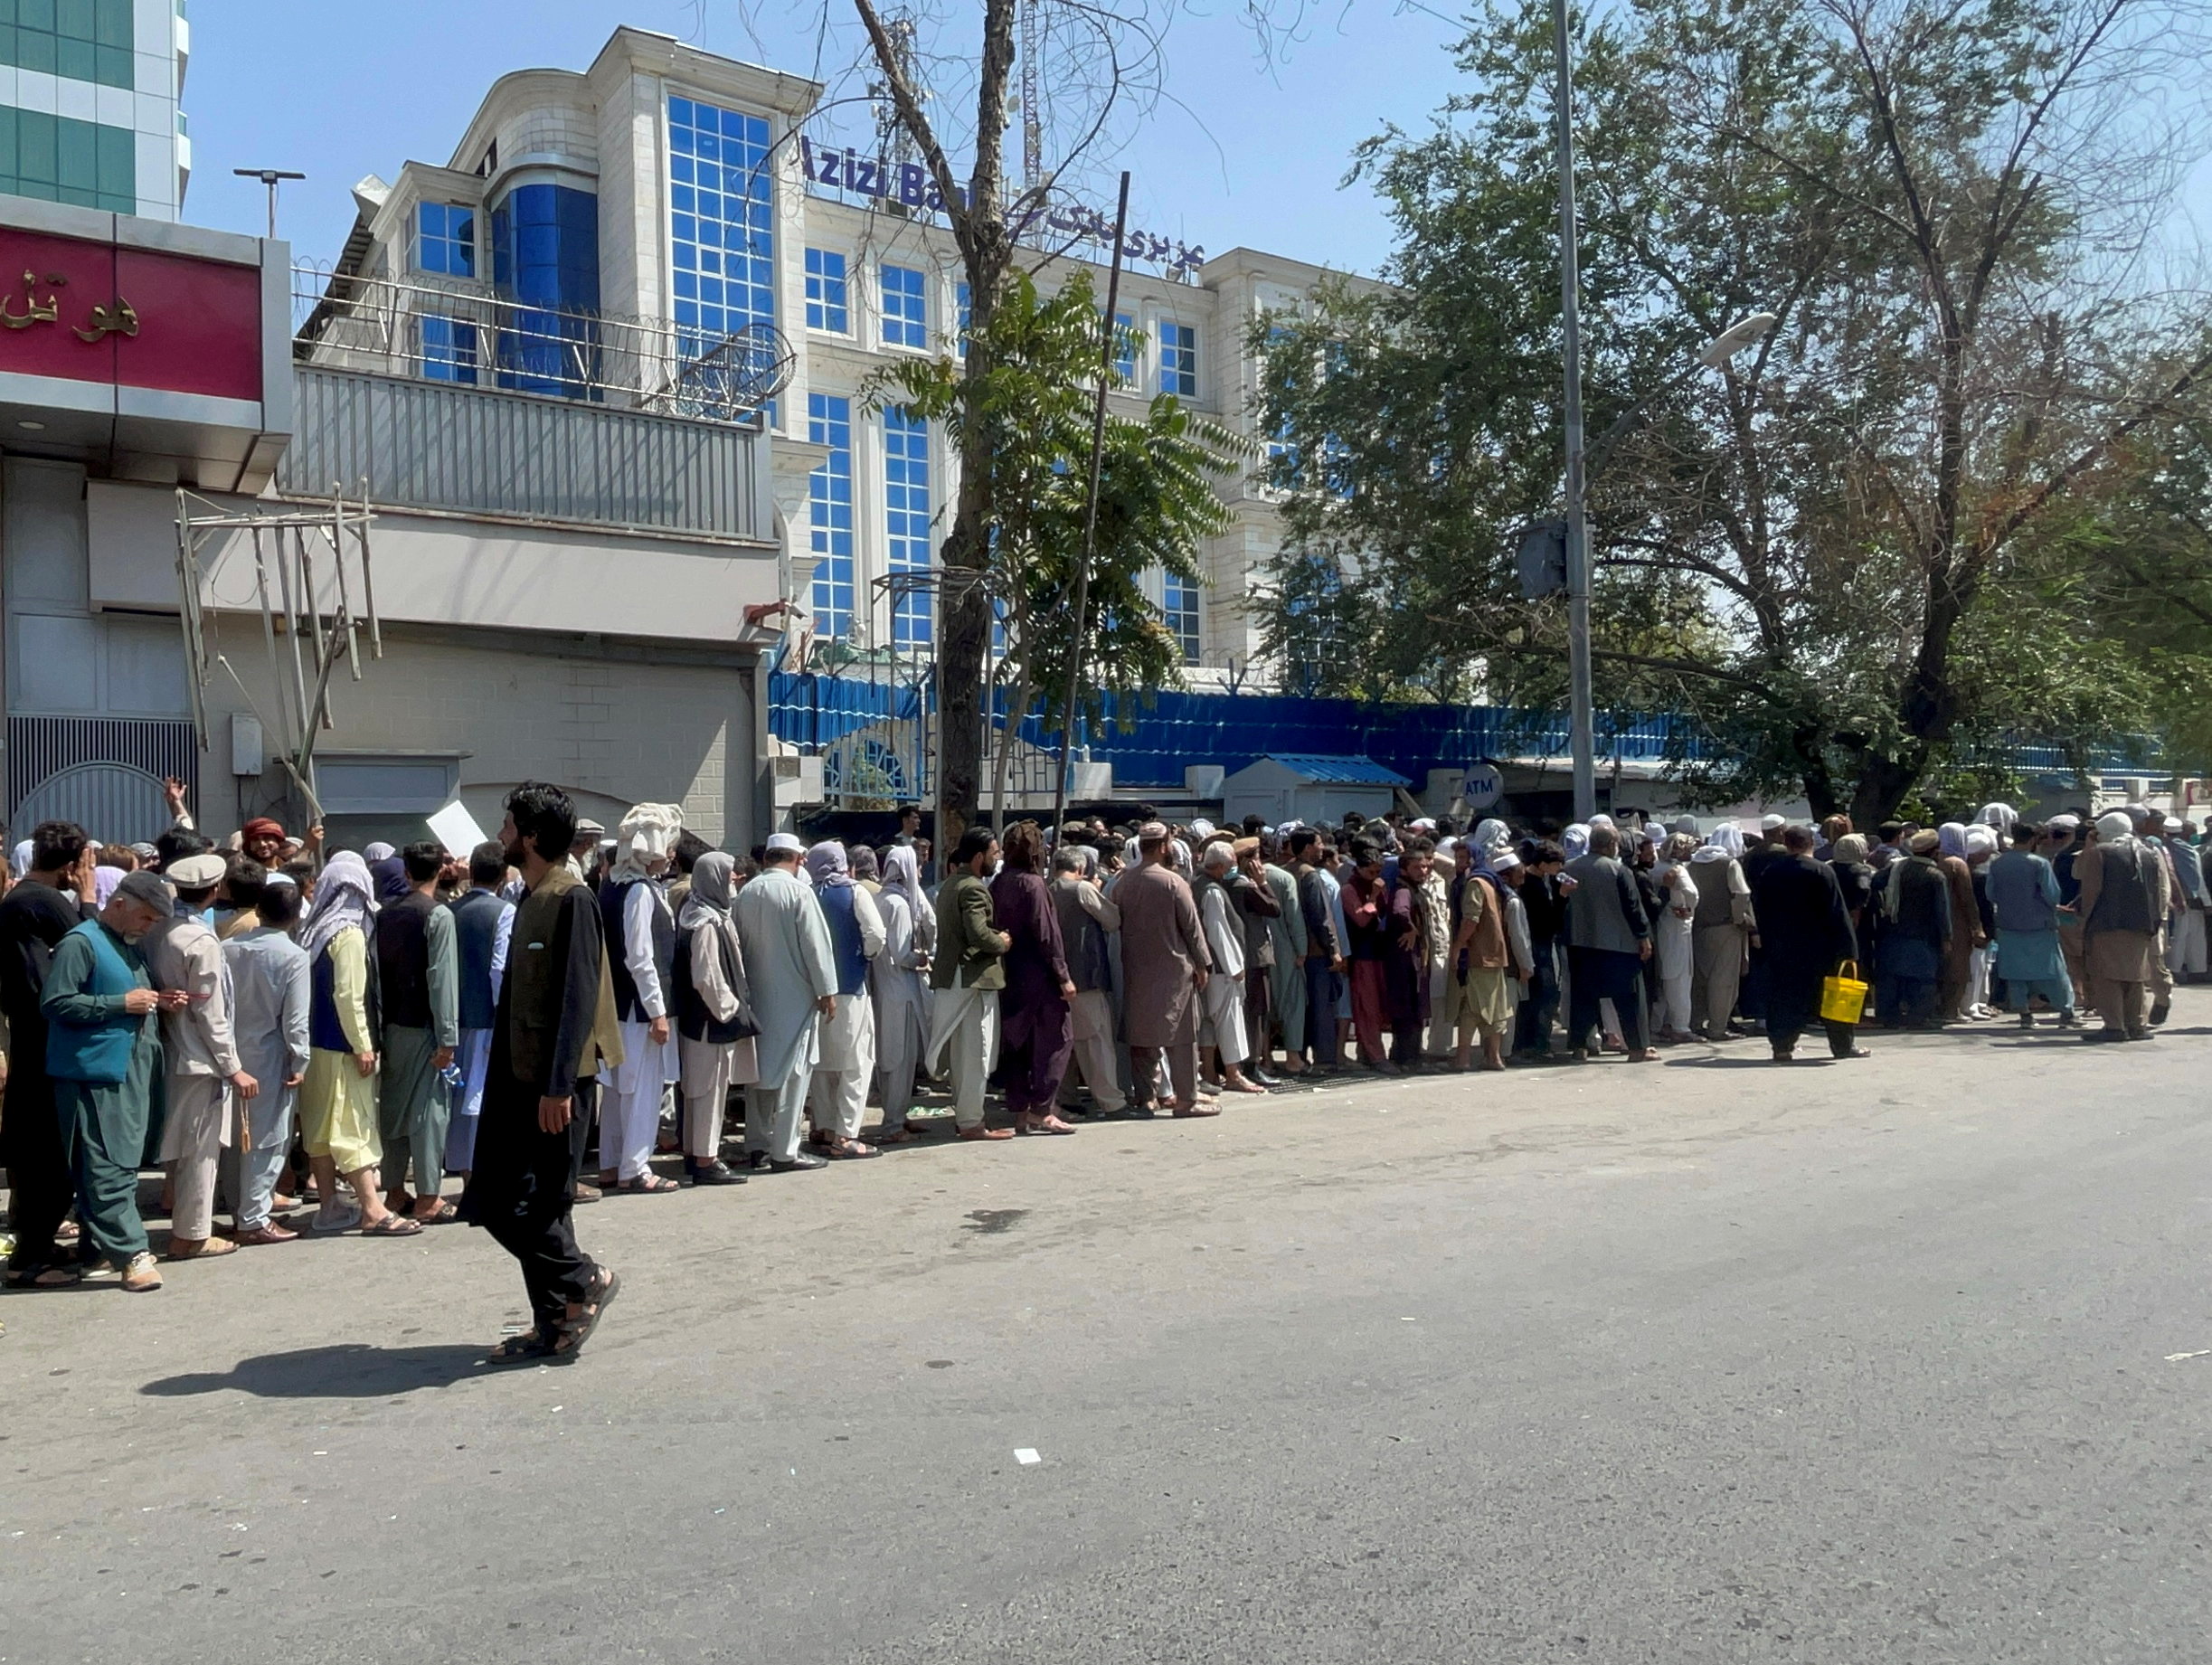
[[1582, 739], [269, 176]]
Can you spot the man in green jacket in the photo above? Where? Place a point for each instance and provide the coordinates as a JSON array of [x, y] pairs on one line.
[[968, 973], [102, 1057]]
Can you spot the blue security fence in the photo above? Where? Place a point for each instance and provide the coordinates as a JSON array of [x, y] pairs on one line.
[[878, 728], [1150, 742]]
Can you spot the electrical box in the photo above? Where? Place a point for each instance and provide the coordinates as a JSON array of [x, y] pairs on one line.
[[246, 756]]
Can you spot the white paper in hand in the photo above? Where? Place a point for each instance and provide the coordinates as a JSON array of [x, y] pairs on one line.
[[457, 829]]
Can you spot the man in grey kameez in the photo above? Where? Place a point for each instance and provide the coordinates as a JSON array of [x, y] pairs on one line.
[[417, 971], [272, 981], [794, 986], [1287, 976]]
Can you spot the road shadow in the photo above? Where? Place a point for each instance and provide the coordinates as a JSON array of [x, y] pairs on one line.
[[351, 1371]]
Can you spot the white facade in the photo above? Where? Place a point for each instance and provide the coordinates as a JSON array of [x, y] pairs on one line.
[[90, 105], [715, 243]]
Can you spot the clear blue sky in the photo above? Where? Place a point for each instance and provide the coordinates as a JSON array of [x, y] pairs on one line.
[[340, 92]]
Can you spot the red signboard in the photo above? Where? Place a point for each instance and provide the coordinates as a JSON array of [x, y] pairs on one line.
[[141, 318]]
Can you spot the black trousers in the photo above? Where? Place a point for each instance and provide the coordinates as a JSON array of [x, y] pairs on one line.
[[40, 1187], [1841, 1037], [526, 1207], [1794, 1007], [1601, 974]]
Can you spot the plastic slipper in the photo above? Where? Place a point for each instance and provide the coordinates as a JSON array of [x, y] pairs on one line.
[[392, 1226]]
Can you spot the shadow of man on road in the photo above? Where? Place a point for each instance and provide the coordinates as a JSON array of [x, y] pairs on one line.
[[353, 1371]]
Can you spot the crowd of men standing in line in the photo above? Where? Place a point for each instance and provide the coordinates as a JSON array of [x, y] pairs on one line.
[[272, 1029]]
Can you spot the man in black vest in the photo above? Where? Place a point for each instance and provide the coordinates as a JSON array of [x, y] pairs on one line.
[[51, 901], [418, 989], [482, 922], [554, 1028]]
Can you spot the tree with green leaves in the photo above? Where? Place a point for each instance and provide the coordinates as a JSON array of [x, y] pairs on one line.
[[1823, 552], [1032, 412]]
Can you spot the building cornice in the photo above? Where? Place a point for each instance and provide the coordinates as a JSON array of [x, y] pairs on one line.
[[630, 52]]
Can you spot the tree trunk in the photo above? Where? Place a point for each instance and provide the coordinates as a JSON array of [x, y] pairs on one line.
[[962, 619]]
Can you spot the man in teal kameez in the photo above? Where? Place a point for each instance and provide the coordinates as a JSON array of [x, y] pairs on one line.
[[104, 1059]]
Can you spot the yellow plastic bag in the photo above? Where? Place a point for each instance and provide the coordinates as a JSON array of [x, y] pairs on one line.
[[1843, 998]]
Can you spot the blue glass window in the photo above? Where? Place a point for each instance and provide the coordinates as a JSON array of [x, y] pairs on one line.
[[826, 292], [906, 516], [449, 349], [829, 507], [546, 251], [1125, 349], [446, 239], [1179, 360], [906, 313], [721, 222], [1178, 606]]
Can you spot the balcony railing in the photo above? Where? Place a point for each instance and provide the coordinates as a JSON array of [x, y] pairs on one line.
[[467, 335], [446, 446]]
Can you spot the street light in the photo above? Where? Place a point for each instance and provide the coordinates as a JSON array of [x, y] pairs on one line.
[[1583, 727], [1734, 339], [269, 176]]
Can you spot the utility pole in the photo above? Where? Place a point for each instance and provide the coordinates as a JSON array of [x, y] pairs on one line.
[[1107, 343], [1582, 736], [269, 176]]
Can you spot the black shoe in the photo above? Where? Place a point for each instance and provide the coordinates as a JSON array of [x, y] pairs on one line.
[[2067, 1020], [1253, 1072], [2158, 1013], [2027, 1020], [716, 1173], [804, 1161], [2104, 1035]]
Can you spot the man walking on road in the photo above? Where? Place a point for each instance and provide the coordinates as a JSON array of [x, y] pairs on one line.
[[555, 1024]]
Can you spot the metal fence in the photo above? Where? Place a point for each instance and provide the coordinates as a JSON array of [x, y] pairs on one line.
[[438, 445], [1150, 743], [468, 334]]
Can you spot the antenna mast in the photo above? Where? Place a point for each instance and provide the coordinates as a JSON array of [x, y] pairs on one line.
[[1033, 116]]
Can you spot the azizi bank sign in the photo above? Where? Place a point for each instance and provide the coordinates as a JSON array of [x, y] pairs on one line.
[[844, 174]]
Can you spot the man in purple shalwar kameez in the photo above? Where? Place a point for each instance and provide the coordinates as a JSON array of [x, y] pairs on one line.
[[1035, 1035]]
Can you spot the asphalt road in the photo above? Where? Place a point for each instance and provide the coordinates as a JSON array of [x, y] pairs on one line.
[[1700, 1362]]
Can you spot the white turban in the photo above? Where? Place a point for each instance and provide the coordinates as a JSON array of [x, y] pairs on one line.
[[646, 834], [2114, 826]]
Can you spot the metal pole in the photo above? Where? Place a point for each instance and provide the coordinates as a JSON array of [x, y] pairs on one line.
[[1091, 511], [1581, 740]]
